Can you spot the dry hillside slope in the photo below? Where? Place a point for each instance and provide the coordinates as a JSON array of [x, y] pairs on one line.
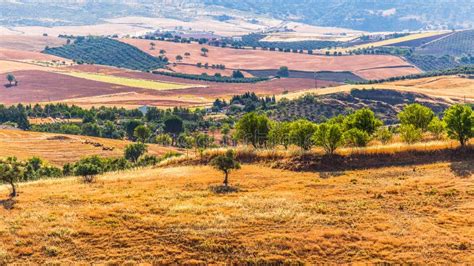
[[169, 215]]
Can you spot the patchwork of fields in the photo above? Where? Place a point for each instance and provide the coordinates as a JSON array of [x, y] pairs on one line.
[[258, 59]]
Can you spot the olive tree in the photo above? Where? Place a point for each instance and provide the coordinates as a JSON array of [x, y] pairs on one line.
[[459, 121], [142, 133], [225, 163], [253, 128], [329, 136], [417, 115], [301, 132], [11, 171], [134, 151]]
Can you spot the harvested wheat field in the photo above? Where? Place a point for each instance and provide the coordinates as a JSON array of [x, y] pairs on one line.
[[30, 43], [58, 149], [259, 59], [7, 66], [10, 54], [169, 215]]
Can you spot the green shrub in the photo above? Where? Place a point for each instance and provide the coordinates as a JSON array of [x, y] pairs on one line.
[[410, 134], [356, 137]]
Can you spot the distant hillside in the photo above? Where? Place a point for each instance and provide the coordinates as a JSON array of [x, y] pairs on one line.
[[366, 15], [386, 104], [395, 15], [457, 44], [105, 51]]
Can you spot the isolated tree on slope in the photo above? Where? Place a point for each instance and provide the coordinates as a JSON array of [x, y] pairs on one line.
[[225, 163], [10, 172], [11, 78]]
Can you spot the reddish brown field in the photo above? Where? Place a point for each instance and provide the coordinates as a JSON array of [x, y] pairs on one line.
[[29, 43], [213, 89], [46, 86], [370, 66], [41, 86]]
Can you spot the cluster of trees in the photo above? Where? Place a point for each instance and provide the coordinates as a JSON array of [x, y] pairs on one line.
[[16, 115], [117, 123], [246, 102], [13, 171], [237, 77], [356, 129]]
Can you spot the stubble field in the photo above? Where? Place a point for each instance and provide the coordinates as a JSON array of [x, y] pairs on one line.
[[168, 215]]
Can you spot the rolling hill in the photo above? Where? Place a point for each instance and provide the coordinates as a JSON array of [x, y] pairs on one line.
[[106, 51], [170, 216]]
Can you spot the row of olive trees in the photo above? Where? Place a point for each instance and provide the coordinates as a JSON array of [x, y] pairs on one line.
[[356, 129]]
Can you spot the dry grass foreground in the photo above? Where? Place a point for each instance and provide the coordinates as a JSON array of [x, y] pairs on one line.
[[168, 215], [59, 149]]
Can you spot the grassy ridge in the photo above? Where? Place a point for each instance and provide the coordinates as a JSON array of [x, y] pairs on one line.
[[105, 51]]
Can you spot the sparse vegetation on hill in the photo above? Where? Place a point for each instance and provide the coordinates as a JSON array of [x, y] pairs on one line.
[[106, 51], [215, 78], [385, 103]]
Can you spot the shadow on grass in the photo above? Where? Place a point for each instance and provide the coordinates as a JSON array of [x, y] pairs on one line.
[[8, 203], [463, 168], [221, 189]]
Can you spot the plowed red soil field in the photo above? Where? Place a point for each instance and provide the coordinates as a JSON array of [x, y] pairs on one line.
[[45, 86], [367, 66]]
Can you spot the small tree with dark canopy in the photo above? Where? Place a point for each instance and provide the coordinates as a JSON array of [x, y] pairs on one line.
[[204, 51], [88, 171], [237, 74], [174, 126], [225, 163], [283, 72], [11, 79], [142, 133]]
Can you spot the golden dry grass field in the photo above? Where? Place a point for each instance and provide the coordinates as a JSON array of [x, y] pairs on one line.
[[168, 215], [58, 149]]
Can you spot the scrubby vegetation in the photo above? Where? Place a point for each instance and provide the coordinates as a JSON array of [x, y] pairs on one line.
[[106, 51]]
